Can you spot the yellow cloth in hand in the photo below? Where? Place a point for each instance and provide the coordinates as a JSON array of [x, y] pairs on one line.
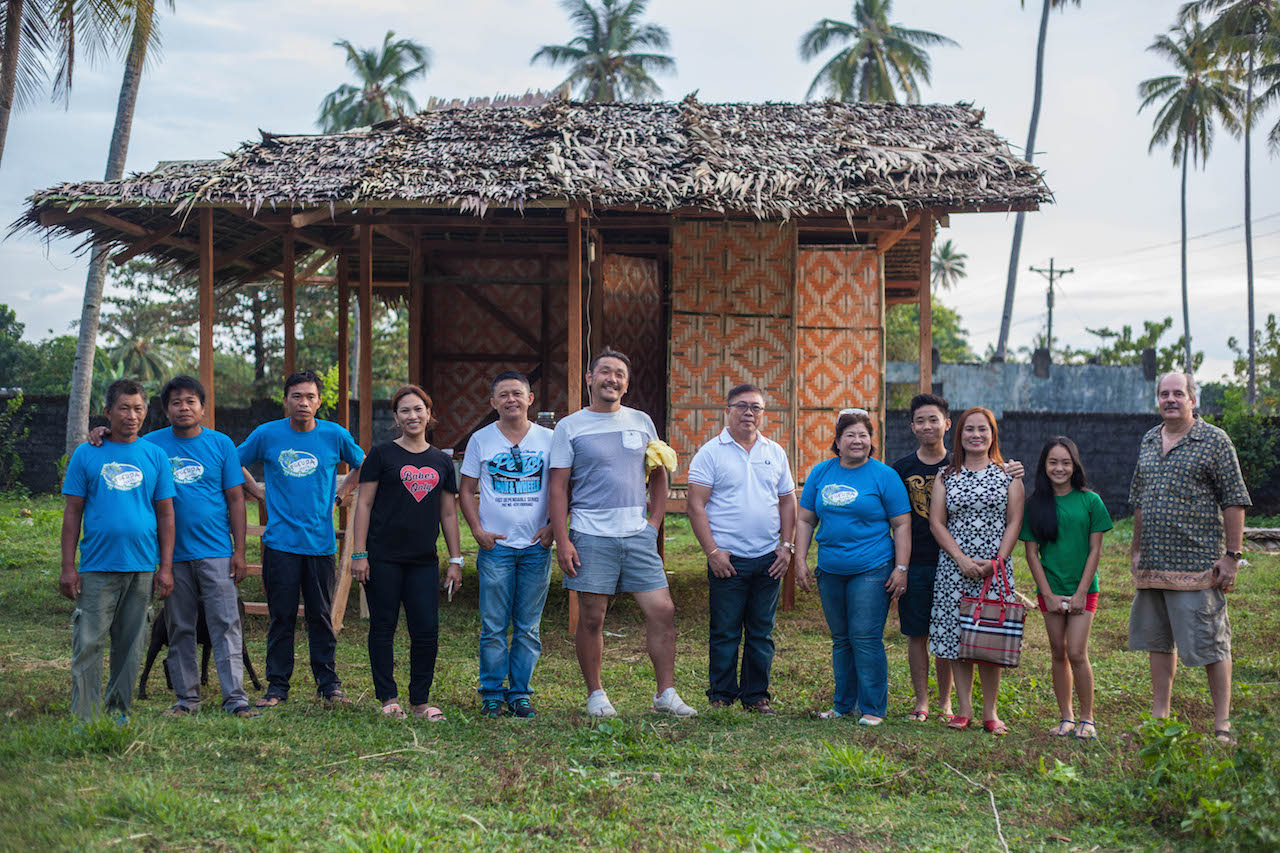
[[659, 453]]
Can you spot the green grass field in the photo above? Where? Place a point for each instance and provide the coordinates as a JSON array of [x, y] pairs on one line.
[[303, 777]]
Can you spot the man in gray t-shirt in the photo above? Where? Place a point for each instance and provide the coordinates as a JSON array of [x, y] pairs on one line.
[[600, 452]]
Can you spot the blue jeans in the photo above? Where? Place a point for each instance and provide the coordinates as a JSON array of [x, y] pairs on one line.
[[744, 604], [856, 607], [513, 590]]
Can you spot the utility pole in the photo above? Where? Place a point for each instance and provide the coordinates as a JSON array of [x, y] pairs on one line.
[[1052, 274]]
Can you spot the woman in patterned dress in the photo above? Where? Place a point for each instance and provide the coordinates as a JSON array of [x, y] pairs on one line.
[[975, 513]]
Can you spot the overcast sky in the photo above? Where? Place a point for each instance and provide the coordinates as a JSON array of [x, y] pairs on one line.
[[230, 67]]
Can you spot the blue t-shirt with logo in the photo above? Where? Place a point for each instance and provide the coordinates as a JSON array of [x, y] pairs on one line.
[[203, 467], [854, 506], [300, 481], [120, 483]]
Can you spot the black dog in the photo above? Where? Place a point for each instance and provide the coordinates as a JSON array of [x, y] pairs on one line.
[[160, 639]]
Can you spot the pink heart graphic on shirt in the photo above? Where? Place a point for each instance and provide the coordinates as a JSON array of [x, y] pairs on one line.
[[419, 481]]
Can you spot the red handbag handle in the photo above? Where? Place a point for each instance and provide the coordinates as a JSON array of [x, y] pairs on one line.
[[999, 570]]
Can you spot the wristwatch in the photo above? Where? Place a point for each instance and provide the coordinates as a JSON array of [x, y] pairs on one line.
[[790, 546], [899, 568], [457, 561], [1235, 555]]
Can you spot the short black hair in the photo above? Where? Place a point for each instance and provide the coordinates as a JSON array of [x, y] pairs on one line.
[[919, 401], [847, 420], [609, 352], [509, 374], [181, 383], [745, 388], [301, 377], [124, 388]]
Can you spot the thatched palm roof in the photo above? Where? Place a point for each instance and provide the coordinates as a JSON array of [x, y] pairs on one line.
[[770, 160]]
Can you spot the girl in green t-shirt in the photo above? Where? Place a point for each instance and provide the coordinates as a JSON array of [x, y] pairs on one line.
[[1062, 529]]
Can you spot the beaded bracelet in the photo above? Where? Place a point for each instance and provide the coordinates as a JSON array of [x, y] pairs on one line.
[[360, 555]]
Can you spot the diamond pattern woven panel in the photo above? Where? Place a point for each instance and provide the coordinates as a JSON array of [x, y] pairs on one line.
[[731, 304], [839, 287], [634, 325], [839, 368], [817, 430]]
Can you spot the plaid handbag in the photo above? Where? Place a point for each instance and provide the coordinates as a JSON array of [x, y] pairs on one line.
[[991, 628]]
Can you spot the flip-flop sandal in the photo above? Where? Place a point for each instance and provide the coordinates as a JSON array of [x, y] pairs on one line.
[[945, 718], [244, 712], [430, 713], [833, 714], [995, 727], [394, 711], [958, 723], [269, 702], [918, 716], [1225, 736], [335, 698], [177, 711], [1059, 731], [1092, 730]]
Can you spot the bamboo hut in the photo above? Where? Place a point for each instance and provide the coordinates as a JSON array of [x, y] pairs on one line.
[[715, 243]]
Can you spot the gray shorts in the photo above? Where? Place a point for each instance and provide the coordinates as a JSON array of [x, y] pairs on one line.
[[618, 564], [1193, 622]]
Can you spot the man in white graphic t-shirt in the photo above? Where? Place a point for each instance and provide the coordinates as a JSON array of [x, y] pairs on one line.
[[504, 500], [600, 452]]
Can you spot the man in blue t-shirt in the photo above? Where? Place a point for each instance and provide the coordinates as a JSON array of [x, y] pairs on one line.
[[300, 456], [119, 510], [208, 551]]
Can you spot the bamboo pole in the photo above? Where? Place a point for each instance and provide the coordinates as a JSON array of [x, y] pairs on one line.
[[344, 343], [575, 365], [926, 304], [365, 336], [206, 313], [416, 293], [290, 307]]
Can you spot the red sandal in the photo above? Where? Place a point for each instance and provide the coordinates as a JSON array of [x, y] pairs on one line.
[[995, 727], [959, 723]]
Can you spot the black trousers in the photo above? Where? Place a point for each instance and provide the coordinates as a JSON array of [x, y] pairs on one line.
[[417, 588], [284, 576]]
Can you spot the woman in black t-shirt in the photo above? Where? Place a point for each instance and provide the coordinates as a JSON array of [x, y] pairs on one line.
[[408, 493]]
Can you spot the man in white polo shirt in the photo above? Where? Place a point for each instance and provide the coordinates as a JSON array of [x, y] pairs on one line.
[[742, 508]]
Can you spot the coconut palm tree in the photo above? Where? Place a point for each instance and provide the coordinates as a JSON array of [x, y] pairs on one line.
[[948, 265], [1190, 101], [384, 74], [605, 58], [881, 59], [142, 36], [33, 32], [1241, 30], [1029, 153]]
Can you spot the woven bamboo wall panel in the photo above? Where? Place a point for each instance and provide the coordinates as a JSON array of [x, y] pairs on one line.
[[758, 350], [839, 287], [732, 267], [697, 374], [634, 325], [839, 368]]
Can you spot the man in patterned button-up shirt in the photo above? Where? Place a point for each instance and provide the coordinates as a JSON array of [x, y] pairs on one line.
[[1188, 525]]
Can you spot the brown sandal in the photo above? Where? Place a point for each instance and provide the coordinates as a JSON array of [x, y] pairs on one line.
[[269, 702]]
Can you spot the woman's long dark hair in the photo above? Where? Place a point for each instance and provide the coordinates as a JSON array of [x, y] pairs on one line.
[[1042, 510]]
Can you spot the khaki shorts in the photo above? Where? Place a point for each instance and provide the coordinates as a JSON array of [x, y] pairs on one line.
[[1193, 622]]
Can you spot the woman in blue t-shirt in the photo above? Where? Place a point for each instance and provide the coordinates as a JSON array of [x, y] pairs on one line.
[[863, 519]]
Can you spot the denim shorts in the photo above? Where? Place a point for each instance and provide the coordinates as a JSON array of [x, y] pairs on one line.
[[610, 565]]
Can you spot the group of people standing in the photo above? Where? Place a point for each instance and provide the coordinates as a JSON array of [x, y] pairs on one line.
[[167, 514]]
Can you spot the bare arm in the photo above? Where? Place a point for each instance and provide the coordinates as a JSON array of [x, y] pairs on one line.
[[452, 538], [1135, 546], [469, 501], [806, 523], [717, 558], [558, 504], [349, 483], [1012, 519], [252, 487], [1090, 569], [938, 527], [787, 532], [239, 526], [72, 515], [164, 533], [1225, 568], [360, 530], [901, 527], [657, 496]]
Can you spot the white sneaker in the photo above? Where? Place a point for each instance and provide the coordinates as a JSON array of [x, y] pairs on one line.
[[598, 705], [669, 702]]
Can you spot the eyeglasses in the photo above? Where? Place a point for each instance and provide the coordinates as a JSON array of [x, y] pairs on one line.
[[862, 412], [753, 408], [515, 456]]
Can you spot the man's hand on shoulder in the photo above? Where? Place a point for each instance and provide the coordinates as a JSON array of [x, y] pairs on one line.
[[97, 435], [1014, 469]]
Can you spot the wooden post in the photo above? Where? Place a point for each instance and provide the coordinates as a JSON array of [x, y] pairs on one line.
[[344, 343], [597, 340], [365, 335], [793, 445], [206, 312], [290, 308], [416, 287], [574, 366], [926, 303]]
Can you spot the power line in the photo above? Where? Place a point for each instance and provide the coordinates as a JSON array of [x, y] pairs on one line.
[[1203, 250], [1128, 252]]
